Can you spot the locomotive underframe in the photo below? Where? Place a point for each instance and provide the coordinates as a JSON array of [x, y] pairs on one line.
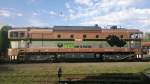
[[73, 54]]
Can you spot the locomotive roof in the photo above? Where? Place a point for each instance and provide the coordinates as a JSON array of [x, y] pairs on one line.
[[122, 29], [31, 28], [76, 28]]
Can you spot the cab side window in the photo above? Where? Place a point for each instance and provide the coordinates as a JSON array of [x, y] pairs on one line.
[[22, 34], [14, 34], [17, 34]]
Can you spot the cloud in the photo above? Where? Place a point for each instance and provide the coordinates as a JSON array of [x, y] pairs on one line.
[[33, 1], [4, 13], [67, 5], [98, 7], [110, 12], [131, 14], [19, 14], [44, 12], [132, 17], [10, 12], [84, 2], [52, 13], [35, 14]]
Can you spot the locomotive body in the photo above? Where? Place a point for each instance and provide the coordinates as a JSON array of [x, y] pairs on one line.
[[74, 43]]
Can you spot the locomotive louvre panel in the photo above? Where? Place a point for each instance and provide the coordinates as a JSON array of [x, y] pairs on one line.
[[47, 35], [54, 44], [36, 35], [36, 44], [93, 44], [41, 35], [51, 44], [104, 44]]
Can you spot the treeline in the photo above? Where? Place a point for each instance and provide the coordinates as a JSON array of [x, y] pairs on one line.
[[4, 42], [147, 36]]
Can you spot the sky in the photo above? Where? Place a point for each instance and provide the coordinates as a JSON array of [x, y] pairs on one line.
[[45, 13]]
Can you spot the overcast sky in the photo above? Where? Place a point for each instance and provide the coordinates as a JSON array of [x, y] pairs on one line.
[[125, 13]]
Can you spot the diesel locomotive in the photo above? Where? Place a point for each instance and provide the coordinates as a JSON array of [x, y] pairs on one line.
[[74, 43]]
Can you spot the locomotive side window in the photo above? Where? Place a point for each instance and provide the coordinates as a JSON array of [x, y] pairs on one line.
[[22, 34], [84, 36], [136, 36], [97, 36], [17, 34], [140, 36], [71, 36], [11, 34], [14, 34], [58, 36]]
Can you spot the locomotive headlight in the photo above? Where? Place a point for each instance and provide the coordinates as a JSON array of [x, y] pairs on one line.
[[78, 40], [132, 42]]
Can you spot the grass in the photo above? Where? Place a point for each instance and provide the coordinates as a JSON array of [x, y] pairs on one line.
[[46, 73]]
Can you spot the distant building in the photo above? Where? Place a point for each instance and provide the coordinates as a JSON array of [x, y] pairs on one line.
[[146, 43], [146, 48]]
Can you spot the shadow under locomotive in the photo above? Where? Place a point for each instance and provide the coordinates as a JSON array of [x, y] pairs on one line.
[[109, 78]]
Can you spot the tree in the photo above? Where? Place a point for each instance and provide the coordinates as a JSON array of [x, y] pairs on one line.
[[4, 42], [147, 36]]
